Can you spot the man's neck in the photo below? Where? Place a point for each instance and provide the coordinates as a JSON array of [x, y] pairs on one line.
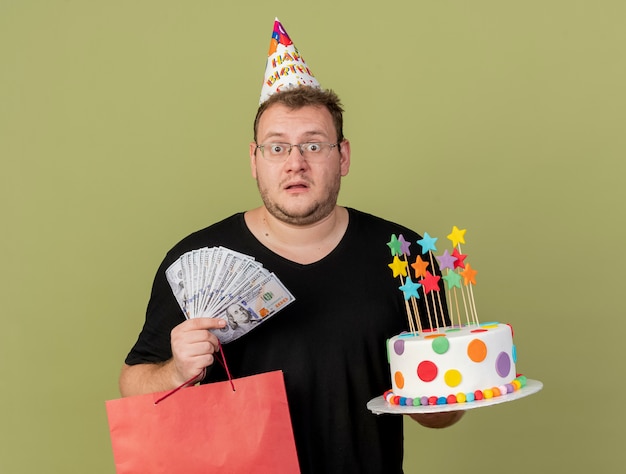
[[299, 243]]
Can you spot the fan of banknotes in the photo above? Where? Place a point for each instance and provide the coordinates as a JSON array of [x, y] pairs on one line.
[[218, 282]]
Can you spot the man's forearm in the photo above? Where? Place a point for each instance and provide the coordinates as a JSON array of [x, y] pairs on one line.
[[147, 378]]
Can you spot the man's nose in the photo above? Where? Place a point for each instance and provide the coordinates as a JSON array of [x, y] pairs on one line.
[[297, 147], [295, 159]]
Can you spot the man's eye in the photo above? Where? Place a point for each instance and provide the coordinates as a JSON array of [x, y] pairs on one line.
[[277, 149], [313, 147]]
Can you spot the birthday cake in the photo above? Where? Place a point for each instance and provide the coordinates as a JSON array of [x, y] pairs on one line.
[[453, 359]]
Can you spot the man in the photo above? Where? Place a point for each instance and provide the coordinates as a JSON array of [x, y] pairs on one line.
[[330, 342]]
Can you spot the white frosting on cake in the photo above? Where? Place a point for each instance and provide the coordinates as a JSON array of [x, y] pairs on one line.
[[452, 360]]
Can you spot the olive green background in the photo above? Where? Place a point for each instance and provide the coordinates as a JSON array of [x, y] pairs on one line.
[[124, 125]]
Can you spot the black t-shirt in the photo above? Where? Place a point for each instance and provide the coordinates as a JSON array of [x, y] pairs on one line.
[[330, 342]]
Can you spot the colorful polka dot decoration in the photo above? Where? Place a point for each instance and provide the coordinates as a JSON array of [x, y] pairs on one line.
[[441, 344], [486, 394], [452, 377], [427, 370], [477, 350]]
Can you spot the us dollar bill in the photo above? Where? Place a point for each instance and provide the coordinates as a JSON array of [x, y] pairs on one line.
[[221, 283]]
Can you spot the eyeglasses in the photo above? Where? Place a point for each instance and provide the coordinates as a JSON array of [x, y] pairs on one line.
[[310, 151]]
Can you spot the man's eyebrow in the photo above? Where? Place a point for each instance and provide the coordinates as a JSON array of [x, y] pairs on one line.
[[315, 133], [309, 134], [276, 135]]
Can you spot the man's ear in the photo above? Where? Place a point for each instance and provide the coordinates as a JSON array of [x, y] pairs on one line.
[[253, 159], [345, 157]]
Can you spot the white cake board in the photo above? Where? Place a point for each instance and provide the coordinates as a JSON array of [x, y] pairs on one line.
[[380, 406]]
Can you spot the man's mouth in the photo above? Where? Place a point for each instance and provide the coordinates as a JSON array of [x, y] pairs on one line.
[[296, 186]]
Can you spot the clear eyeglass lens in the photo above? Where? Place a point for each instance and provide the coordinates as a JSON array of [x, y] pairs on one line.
[[313, 148], [277, 150]]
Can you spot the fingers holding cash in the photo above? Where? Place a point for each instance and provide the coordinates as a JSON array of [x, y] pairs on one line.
[[194, 346]]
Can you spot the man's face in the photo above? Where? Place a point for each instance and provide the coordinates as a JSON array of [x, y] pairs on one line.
[[296, 191]]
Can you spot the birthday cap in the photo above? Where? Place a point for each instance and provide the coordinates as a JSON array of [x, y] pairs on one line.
[[285, 66]]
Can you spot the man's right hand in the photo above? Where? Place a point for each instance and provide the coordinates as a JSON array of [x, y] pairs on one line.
[[194, 346], [193, 349]]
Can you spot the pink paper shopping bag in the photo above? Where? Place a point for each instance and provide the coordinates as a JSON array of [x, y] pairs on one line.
[[206, 428]]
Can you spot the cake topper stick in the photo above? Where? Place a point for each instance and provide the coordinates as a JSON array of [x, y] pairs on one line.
[[427, 243], [456, 304], [430, 319], [405, 251], [470, 293], [410, 291], [453, 280], [469, 275], [467, 313], [471, 290], [410, 316], [431, 285], [416, 311], [457, 237], [419, 267], [399, 267], [459, 264], [443, 316], [437, 289]]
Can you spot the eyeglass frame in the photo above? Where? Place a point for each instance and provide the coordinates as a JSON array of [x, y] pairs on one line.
[[298, 145]]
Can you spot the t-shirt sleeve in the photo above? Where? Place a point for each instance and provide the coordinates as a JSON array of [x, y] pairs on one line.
[[162, 315]]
